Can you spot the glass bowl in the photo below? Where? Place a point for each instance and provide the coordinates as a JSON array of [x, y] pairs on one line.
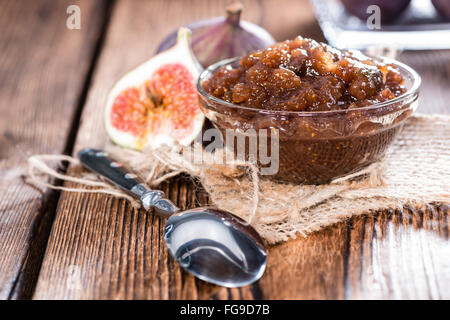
[[316, 147]]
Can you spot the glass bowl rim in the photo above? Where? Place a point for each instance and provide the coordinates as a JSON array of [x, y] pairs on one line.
[[413, 91]]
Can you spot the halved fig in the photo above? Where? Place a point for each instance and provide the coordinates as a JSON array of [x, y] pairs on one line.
[[157, 102]]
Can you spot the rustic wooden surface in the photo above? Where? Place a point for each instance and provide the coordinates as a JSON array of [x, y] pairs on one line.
[[99, 247], [43, 70]]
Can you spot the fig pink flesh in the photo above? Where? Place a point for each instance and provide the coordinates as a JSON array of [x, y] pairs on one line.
[[166, 103]]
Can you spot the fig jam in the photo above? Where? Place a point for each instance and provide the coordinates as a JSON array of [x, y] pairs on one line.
[[276, 86], [305, 75]]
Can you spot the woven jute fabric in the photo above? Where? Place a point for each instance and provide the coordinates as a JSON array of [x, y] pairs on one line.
[[415, 171]]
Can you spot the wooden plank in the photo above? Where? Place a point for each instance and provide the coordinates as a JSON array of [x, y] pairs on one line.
[[100, 248], [43, 68], [401, 254]]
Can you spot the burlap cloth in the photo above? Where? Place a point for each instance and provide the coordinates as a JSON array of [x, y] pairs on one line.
[[415, 171]]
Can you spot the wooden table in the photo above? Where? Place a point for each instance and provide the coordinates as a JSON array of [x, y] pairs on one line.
[[53, 245]]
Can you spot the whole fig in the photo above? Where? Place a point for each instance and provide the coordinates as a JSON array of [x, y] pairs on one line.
[[223, 37]]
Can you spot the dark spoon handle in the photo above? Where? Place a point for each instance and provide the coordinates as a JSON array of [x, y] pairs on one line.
[[100, 162]]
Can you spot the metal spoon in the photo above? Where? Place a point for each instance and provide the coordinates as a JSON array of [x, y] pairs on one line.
[[213, 245]]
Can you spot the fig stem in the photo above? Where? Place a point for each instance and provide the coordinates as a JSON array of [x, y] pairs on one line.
[[183, 34], [234, 11]]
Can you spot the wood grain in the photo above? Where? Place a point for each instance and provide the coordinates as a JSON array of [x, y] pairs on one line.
[[100, 248], [37, 108], [401, 254]]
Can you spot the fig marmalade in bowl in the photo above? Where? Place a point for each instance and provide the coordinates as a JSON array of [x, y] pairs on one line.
[[334, 111]]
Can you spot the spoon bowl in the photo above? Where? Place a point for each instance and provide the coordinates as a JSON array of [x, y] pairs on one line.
[[216, 246], [213, 245]]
